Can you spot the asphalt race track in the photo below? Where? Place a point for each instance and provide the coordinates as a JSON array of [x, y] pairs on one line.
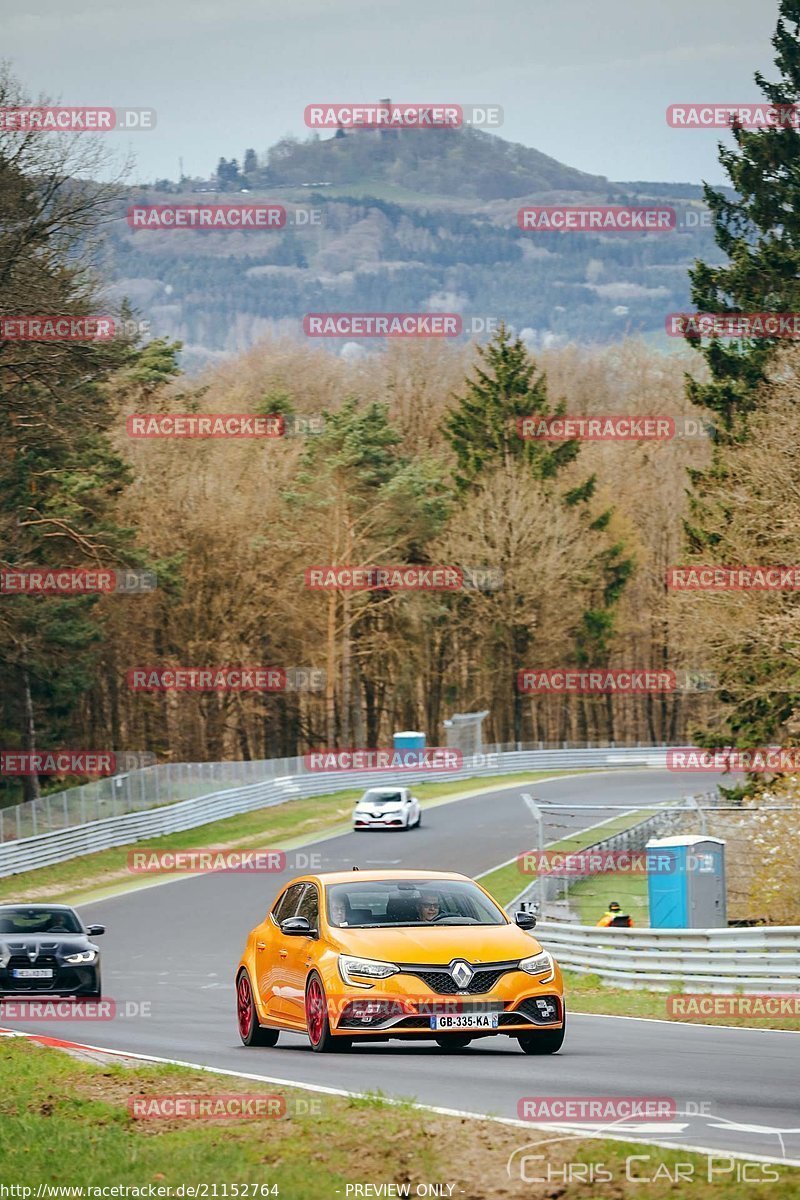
[[176, 946]]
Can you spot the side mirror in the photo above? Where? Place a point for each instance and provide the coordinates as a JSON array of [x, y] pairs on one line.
[[525, 920], [95, 930], [297, 927]]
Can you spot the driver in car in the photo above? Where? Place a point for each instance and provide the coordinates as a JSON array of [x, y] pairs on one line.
[[428, 906], [338, 910]]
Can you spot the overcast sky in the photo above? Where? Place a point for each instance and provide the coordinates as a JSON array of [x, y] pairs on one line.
[[586, 81]]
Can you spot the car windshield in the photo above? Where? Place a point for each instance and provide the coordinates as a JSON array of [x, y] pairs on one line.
[[38, 920], [380, 798], [410, 902]]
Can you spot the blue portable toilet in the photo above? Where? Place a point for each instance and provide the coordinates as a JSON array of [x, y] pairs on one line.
[[686, 882], [409, 739]]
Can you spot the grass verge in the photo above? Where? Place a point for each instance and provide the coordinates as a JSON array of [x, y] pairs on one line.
[[67, 1122], [281, 826], [589, 994]]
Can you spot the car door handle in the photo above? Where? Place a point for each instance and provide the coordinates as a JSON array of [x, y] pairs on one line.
[[261, 945], [283, 953]]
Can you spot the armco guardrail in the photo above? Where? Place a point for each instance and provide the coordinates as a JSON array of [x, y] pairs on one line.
[[59, 845], [763, 959], [168, 783]]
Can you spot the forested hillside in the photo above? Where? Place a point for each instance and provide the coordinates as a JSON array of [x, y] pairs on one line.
[[408, 221]]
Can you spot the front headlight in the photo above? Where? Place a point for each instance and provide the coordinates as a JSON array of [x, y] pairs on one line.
[[364, 969], [85, 956], [539, 964]]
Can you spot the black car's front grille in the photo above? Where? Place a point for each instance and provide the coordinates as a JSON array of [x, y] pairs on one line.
[[21, 961], [65, 980], [442, 981], [43, 962]]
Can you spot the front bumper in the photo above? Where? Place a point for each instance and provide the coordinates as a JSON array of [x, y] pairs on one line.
[[395, 1017], [404, 1004], [363, 822], [66, 980]]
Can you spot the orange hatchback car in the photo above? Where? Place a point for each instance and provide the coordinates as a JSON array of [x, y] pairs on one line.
[[370, 955]]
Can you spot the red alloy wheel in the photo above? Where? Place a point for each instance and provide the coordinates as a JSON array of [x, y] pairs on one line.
[[315, 1008], [244, 1006]]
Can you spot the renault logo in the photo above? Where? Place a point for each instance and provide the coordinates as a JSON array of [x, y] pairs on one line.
[[461, 972]]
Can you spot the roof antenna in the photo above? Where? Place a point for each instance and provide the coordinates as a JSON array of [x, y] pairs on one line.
[[355, 868]]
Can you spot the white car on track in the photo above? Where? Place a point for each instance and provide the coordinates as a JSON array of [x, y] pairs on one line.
[[387, 808]]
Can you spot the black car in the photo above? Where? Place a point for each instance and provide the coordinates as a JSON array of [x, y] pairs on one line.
[[47, 949]]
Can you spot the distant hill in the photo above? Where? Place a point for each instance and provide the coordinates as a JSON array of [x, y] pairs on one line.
[[414, 221], [462, 163]]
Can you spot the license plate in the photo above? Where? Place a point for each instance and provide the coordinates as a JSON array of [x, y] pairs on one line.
[[32, 973], [456, 1021]]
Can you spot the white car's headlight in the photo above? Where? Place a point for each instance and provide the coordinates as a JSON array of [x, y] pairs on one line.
[[86, 956], [539, 964], [364, 969]]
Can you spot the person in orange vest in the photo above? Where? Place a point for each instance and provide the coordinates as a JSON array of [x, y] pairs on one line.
[[615, 916]]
